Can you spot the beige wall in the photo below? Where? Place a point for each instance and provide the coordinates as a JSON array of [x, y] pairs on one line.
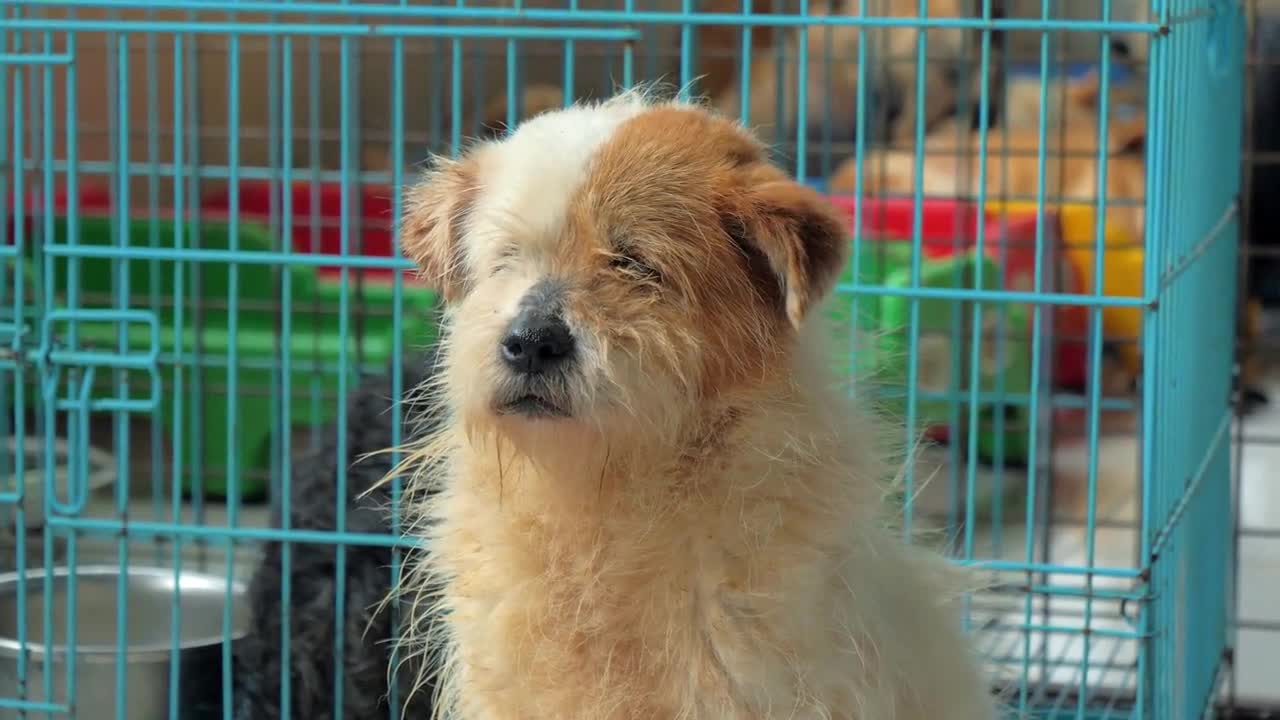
[[208, 83], [428, 67]]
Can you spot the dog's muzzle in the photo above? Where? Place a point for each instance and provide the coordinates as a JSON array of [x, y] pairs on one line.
[[537, 349]]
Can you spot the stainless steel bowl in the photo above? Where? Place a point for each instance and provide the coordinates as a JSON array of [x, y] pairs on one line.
[[149, 594]]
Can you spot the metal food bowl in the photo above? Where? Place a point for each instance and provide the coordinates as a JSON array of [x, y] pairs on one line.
[[149, 643]]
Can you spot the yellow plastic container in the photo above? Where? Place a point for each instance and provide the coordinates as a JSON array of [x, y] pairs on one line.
[[1122, 267]]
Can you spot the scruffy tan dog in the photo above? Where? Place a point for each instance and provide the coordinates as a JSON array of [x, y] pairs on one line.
[[655, 504], [833, 71], [953, 166]]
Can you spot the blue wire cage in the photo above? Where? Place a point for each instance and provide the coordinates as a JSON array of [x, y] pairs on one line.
[[198, 269]]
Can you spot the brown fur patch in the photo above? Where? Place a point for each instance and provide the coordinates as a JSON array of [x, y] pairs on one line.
[[803, 237], [688, 207], [710, 443], [436, 212]]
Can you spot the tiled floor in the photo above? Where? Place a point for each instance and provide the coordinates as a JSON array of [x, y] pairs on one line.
[[1112, 661], [1259, 553]]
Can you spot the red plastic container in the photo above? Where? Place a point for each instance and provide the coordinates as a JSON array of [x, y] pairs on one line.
[[95, 198], [941, 221], [316, 223]]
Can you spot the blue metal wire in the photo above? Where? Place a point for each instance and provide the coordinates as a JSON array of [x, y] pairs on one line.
[[120, 266], [146, 349], [286, 384], [177, 467]]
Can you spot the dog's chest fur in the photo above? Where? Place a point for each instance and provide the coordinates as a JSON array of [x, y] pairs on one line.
[[698, 609]]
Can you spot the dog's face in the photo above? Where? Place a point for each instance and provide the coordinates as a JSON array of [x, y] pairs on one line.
[[609, 268]]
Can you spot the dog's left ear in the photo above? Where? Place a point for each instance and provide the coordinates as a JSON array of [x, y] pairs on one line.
[[435, 215], [804, 240]]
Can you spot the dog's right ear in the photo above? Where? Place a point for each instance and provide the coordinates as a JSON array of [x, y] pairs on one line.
[[435, 218], [1085, 91], [795, 235]]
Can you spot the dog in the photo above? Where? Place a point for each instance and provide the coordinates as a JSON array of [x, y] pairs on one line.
[[533, 100], [648, 498], [1067, 102], [368, 624], [721, 47], [952, 77], [952, 165]]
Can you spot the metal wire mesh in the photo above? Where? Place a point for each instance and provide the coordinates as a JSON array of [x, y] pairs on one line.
[[1256, 533], [199, 265]]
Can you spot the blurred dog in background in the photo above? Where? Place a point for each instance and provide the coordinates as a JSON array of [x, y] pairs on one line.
[[951, 76], [952, 166], [368, 622]]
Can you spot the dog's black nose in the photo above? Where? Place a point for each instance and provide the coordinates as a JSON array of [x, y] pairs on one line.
[[536, 342]]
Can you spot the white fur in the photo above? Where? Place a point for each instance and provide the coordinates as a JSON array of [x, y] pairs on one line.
[[544, 163]]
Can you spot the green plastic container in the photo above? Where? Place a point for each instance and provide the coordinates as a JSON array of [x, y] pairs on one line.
[[881, 348], [314, 342]]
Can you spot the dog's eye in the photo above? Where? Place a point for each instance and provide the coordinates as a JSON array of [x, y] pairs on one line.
[[502, 261], [634, 268]]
